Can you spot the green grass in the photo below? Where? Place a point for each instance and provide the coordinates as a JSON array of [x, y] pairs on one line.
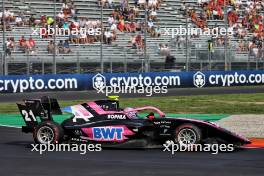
[[204, 104]]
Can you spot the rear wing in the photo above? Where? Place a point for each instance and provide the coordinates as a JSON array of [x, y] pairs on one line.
[[43, 108]]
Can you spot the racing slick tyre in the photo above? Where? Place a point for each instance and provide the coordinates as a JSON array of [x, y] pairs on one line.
[[188, 134], [48, 132]]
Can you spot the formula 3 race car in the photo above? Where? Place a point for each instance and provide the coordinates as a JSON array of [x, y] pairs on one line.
[[104, 122]]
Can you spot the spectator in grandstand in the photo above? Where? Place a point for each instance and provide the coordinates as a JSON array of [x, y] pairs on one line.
[[66, 47], [141, 3], [150, 24], [9, 16], [181, 42], [124, 4], [165, 51], [9, 46], [74, 38], [19, 20], [108, 37], [127, 27], [170, 62], [220, 41], [210, 46], [22, 44], [50, 21], [157, 31], [135, 11], [138, 41], [51, 47], [132, 41], [101, 3], [82, 22], [43, 20], [113, 27], [133, 27], [121, 25], [111, 20], [60, 47], [136, 3], [31, 45], [73, 10], [66, 9], [32, 20], [61, 15], [153, 15], [83, 37], [109, 3]]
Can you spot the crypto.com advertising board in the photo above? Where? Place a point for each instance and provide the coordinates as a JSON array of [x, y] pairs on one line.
[[99, 82]]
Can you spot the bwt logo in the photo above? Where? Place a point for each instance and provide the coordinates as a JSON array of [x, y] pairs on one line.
[[108, 133], [199, 79], [99, 82]]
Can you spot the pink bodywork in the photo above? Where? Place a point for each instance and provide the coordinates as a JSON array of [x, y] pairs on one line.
[[125, 132], [100, 110]]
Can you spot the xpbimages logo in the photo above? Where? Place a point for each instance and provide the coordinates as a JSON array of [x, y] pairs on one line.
[[134, 84]]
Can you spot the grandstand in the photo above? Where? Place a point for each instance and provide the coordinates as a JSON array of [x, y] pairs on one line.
[[119, 56]]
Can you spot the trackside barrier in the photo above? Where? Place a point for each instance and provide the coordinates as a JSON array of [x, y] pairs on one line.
[[74, 82]]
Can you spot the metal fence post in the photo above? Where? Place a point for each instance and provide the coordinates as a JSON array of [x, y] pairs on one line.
[[42, 66], [125, 61], [256, 63], [111, 65], [145, 39], [186, 39], [28, 63], [248, 63], [78, 63], [226, 27], [5, 71], [54, 40], [210, 60], [1, 66], [101, 42]]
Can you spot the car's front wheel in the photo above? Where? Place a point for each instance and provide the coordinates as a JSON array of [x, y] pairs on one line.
[[188, 134]]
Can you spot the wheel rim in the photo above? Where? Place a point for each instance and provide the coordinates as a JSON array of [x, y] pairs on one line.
[[45, 135], [187, 136]]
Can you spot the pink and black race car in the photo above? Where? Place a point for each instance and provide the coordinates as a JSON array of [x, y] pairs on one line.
[[104, 122]]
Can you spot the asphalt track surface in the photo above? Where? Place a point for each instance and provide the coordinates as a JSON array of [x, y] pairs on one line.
[[91, 95], [16, 158]]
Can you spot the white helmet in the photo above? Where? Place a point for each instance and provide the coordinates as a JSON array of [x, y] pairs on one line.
[[131, 113]]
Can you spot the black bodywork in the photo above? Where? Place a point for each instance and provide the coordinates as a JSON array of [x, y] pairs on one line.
[[105, 122]]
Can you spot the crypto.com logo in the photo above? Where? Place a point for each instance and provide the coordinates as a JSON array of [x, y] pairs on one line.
[[99, 82], [199, 79]]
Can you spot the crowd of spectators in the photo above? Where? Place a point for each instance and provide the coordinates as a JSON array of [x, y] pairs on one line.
[[242, 18], [23, 45], [124, 18], [80, 30]]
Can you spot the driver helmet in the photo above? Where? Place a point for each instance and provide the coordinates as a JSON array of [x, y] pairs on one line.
[[131, 113]]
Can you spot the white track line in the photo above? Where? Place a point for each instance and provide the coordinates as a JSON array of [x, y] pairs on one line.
[[9, 126]]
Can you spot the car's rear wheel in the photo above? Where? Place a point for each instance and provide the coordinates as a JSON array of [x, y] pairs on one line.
[[188, 134], [48, 132]]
